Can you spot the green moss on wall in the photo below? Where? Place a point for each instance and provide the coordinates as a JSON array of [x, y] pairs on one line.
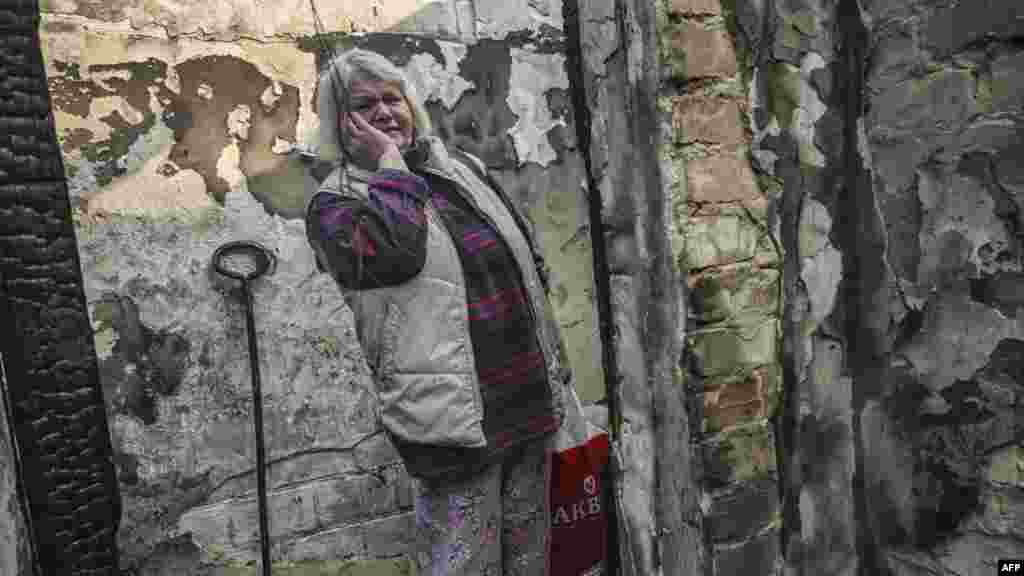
[[695, 151], [117, 146], [199, 222], [770, 186], [314, 43], [326, 345], [744, 455], [783, 92], [208, 219], [983, 94], [107, 155], [71, 71], [805, 23]]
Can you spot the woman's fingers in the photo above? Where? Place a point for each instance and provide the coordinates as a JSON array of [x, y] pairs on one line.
[[361, 122], [367, 140], [367, 128]]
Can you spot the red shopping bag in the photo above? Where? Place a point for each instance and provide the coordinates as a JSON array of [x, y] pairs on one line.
[[577, 498]]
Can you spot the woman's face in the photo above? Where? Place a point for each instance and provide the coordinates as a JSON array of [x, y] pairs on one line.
[[383, 105]]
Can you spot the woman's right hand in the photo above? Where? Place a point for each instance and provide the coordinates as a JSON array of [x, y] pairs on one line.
[[370, 146]]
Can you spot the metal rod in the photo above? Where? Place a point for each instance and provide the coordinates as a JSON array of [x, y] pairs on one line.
[[257, 405]]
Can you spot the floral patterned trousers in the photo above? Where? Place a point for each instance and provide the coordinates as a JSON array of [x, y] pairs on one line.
[[494, 524]]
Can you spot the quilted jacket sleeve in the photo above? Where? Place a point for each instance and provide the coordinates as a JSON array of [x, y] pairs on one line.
[[376, 242]]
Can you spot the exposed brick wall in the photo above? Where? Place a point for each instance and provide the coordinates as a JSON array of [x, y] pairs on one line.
[[733, 325]]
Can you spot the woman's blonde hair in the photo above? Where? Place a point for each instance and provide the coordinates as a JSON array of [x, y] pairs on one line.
[[335, 89]]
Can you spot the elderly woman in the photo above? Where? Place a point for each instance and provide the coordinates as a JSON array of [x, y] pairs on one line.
[[452, 315]]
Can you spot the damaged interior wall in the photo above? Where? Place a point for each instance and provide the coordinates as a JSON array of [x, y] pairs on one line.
[[940, 401], [180, 125], [724, 238], [844, 209], [879, 143]]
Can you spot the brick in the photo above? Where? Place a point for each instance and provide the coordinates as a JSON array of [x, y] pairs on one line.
[[725, 350], [719, 237], [707, 53], [737, 401], [722, 293], [723, 178], [234, 523], [343, 542], [696, 7], [741, 455], [342, 500], [751, 387], [718, 418], [699, 118]]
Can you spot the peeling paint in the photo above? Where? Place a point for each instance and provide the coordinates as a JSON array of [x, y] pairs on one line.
[[957, 339], [499, 19], [531, 76], [238, 122], [957, 208], [146, 190], [437, 81], [822, 269], [810, 110]]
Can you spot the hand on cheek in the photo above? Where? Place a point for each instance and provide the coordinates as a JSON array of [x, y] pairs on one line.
[[371, 148]]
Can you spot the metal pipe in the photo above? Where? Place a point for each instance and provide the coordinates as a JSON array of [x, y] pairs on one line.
[[257, 407]]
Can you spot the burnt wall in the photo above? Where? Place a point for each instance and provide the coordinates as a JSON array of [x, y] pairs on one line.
[[941, 428], [873, 144]]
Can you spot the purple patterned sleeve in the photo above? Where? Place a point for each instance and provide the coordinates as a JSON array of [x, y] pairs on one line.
[[374, 243]]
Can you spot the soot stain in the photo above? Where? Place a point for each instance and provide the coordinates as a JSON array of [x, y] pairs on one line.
[[144, 363]]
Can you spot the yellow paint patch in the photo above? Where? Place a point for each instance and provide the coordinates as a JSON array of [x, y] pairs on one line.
[[107, 105], [227, 166], [104, 341], [1007, 466]]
